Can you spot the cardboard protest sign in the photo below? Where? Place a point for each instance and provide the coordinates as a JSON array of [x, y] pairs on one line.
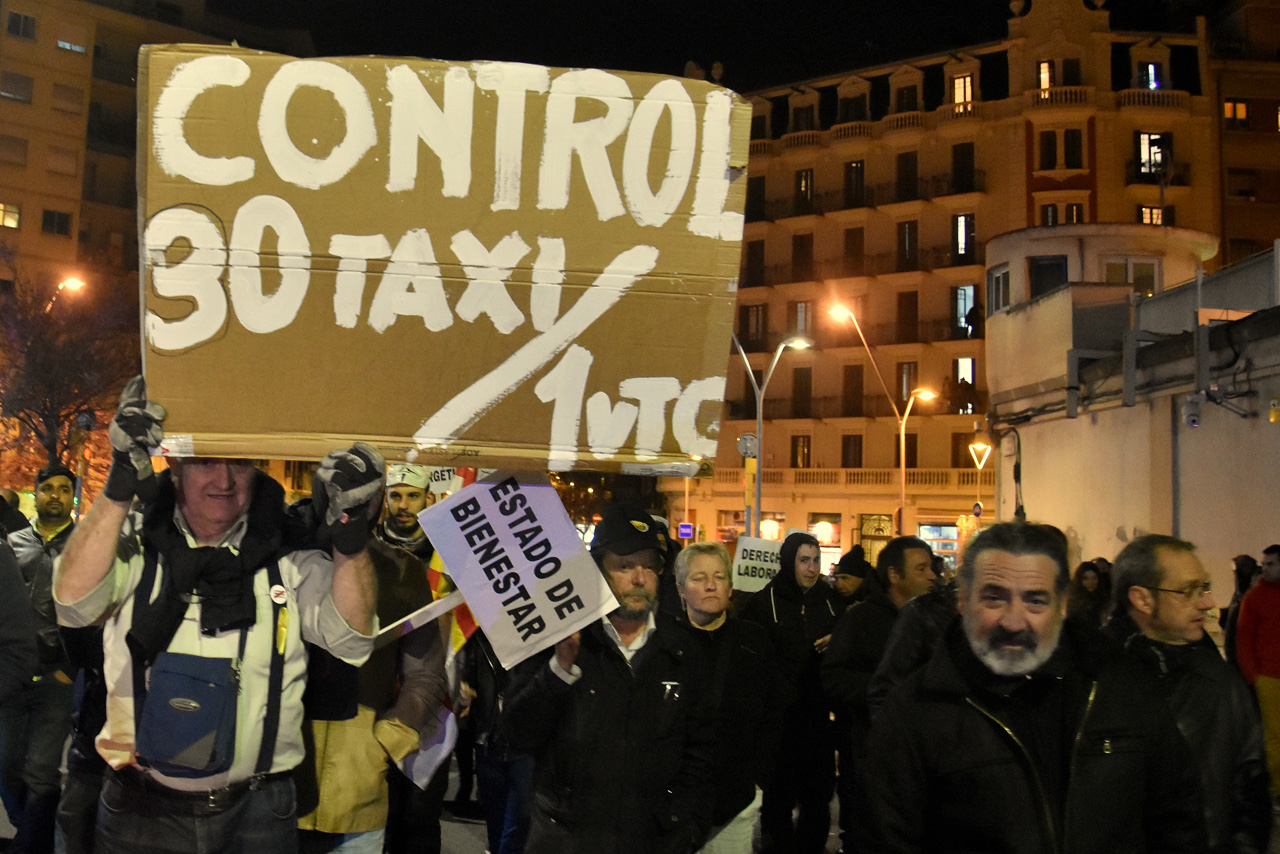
[[460, 263], [519, 562], [755, 563]]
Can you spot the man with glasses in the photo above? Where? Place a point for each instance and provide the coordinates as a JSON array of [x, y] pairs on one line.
[[1026, 732], [1162, 597], [1258, 654], [206, 601], [617, 716]]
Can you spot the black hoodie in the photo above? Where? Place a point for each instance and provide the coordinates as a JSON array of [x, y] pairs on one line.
[[794, 619]]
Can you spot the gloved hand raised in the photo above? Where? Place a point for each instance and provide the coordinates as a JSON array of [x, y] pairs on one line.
[[352, 482], [136, 428]]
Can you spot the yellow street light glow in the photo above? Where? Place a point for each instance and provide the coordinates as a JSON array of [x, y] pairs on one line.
[[924, 393], [72, 284]]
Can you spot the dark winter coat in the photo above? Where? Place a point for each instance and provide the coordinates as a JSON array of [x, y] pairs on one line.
[[17, 627], [35, 559], [1216, 714], [749, 696], [623, 755], [857, 645], [1099, 767], [793, 619], [914, 638]]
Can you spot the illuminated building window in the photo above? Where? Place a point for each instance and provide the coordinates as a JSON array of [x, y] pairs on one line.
[[1235, 114], [72, 46], [1046, 75], [801, 447], [1074, 213], [962, 238], [10, 215], [1149, 215], [962, 93], [1151, 75]]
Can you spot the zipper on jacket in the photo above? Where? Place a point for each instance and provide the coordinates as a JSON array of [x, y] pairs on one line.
[[1035, 775], [1075, 751]]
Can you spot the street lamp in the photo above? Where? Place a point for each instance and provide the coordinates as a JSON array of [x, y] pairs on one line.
[[980, 450], [925, 395], [71, 283], [795, 342], [840, 312]]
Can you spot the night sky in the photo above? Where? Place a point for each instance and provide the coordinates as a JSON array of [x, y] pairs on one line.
[[758, 46]]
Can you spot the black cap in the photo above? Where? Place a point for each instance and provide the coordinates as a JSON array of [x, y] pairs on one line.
[[625, 530], [54, 470]]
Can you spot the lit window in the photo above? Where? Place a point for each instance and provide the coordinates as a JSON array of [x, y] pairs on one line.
[[1151, 75], [22, 26], [1235, 114], [962, 88], [1153, 152], [72, 46], [1075, 213], [1150, 215], [1046, 73], [962, 238], [10, 215]]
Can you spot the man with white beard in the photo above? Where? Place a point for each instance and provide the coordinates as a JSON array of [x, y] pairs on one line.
[[1025, 733]]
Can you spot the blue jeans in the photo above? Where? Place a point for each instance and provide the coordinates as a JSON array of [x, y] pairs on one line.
[[34, 726], [319, 842], [505, 794], [133, 820]]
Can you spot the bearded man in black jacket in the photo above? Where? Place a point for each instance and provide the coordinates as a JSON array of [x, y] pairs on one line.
[[1025, 733], [798, 612]]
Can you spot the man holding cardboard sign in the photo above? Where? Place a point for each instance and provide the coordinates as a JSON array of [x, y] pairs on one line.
[[205, 607], [617, 716]]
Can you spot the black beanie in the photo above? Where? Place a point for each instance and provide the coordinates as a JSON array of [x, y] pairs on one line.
[[55, 470]]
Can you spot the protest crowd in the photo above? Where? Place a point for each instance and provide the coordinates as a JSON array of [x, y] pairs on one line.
[[218, 663]]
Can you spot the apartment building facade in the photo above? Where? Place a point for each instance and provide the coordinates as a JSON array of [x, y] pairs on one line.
[[68, 129], [877, 191]]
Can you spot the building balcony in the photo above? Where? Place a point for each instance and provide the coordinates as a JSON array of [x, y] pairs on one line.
[[844, 200], [957, 183], [115, 70], [879, 480], [913, 120], [967, 401], [802, 139], [851, 130], [760, 147], [893, 192], [1162, 98], [1177, 176], [1060, 96]]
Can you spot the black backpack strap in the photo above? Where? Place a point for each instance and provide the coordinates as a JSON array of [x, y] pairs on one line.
[[277, 637]]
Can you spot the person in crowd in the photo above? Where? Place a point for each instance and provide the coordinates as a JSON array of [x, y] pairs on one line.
[[18, 657], [848, 576], [746, 690], [34, 723], [504, 775], [1162, 602], [1026, 732], [397, 693], [1104, 576], [617, 716], [205, 605], [413, 814], [904, 570], [798, 613], [1246, 573], [920, 625], [11, 518], [1258, 654], [1086, 601]]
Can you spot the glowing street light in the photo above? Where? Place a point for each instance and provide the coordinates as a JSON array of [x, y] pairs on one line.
[[840, 312], [980, 450], [795, 342], [70, 283]]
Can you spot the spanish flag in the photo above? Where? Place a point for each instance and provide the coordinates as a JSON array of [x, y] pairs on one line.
[[464, 622]]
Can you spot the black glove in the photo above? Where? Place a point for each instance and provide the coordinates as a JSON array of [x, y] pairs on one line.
[[136, 429], [352, 482]]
